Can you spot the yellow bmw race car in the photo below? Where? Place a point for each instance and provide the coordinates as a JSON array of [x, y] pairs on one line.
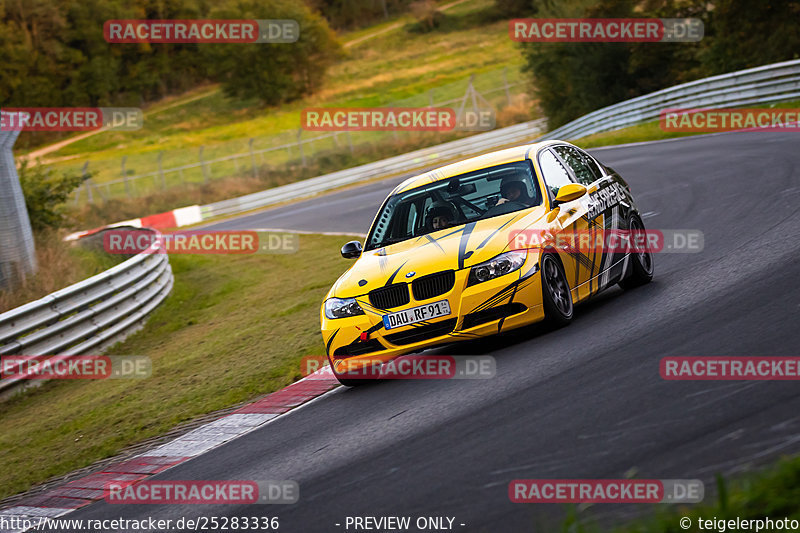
[[481, 246]]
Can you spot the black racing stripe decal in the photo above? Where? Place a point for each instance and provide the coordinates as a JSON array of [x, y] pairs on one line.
[[510, 300], [391, 278], [376, 327], [487, 239], [523, 281], [431, 240], [330, 341], [459, 230], [369, 307], [595, 226], [462, 246], [495, 298]]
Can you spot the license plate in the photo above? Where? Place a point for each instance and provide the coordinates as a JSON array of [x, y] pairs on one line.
[[416, 314]]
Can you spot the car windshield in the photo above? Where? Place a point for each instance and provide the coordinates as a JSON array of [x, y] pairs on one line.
[[476, 195]]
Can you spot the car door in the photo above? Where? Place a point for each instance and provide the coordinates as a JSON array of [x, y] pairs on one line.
[[568, 222], [603, 215]]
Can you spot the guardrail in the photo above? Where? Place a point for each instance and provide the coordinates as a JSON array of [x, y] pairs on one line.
[[89, 316], [760, 85], [769, 83]]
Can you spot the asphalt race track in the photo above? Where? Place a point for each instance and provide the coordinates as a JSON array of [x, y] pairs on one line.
[[585, 401]]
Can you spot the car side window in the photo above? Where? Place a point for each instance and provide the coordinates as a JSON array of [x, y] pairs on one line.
[[555, 175], [584, 167]]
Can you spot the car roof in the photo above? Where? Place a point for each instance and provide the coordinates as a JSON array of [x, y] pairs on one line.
[[508, 155]]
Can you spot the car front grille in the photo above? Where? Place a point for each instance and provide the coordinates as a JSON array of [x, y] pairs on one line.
[[422, 333], [433, 285], [390, 296]]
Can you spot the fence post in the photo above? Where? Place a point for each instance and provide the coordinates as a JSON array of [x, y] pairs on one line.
[[300, 146], [87, 185], [252, 157], [505, 83], [430, 98], [203, 165], [124, 176], [84, 174], [161, 170]]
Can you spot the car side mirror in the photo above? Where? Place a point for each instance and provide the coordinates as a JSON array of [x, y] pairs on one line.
[[568, 193], [351, 250]]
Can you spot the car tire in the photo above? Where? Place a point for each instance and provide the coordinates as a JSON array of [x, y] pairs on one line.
[[641, 263], [556, 295]]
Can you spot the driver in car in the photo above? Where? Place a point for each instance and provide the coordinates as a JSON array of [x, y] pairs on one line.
[[441, 215], [514, 190]]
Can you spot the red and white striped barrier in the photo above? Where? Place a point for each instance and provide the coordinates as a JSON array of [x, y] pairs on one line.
[[176, 218]]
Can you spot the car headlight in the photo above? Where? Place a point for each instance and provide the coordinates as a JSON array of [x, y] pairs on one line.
[[497, 266], [342, 307]]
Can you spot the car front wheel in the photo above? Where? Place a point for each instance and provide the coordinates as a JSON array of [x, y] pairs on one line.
[[557, 298]]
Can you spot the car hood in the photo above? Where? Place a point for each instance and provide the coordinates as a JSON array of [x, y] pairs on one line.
[[449, 249]]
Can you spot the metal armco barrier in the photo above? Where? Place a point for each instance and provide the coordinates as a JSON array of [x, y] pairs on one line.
[[760, 85], [91, 315]]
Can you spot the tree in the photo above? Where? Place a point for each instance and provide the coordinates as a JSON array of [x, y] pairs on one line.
[[274, 73], [749, 34]]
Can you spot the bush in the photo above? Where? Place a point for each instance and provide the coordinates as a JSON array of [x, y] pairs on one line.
[[45, 194]]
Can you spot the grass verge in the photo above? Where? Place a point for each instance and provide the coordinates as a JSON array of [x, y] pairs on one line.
[[773, 492], [233, 328]]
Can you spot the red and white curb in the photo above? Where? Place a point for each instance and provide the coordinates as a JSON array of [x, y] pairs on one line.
[[171, 219], [81, 492]]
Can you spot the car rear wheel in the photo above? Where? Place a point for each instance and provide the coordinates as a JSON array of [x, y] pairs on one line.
[[557, 298], [641, 261]]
